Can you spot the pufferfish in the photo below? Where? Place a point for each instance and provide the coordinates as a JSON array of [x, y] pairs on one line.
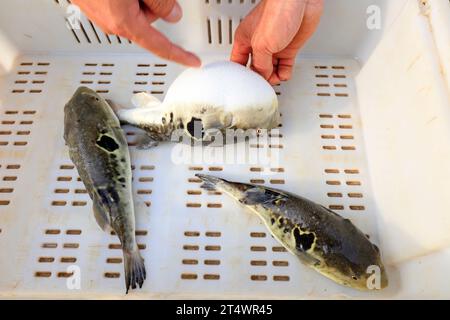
[[319, 237], [203, 102]]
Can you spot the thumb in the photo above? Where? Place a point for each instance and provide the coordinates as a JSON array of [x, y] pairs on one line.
[[169, 10], [262, 62]]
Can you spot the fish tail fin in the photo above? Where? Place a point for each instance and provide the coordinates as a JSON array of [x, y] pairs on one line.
[[145, 100], [209, 182], [235, 189], [134, 269]]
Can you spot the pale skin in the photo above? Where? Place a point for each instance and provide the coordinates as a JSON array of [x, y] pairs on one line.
[[273, 33], [269, 37], [132, 19]]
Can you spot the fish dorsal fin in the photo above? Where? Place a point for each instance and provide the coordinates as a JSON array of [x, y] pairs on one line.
[[101, 216], [145, 100]]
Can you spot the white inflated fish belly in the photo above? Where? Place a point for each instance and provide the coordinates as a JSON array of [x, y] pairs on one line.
[[221, 95], [223, 84]]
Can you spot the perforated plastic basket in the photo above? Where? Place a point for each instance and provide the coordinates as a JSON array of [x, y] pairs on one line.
[[365, 131]]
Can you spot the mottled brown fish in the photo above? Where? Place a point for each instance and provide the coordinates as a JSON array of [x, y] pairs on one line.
[[99, 150], [320, 238]]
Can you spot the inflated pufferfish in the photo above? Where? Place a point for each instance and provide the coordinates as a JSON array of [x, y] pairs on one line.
[[219, 96]]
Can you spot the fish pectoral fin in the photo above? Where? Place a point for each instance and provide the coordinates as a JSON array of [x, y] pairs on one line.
[[308, 259], [101, 216]]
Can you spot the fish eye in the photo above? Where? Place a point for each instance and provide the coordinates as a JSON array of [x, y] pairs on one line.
[[355, 278], [194, 127]]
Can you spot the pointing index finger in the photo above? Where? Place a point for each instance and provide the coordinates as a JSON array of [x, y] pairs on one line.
[[140, 32]]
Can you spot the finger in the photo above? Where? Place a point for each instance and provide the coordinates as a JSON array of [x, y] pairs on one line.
[[151, 17], [279, 23], [311, 20], [285, 68], [149, 38], [240, 52], [262, 62], [169, 10], [274, 79], [242, 48], [275, 61]]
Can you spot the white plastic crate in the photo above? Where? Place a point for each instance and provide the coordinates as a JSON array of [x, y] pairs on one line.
[[365, 131]]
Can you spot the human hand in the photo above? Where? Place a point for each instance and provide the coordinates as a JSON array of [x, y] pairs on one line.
[[272, 33], [131, 19]]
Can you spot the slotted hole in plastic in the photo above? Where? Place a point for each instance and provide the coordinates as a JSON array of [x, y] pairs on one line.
[[341, 125], [114, 259], [67, 240], [69, 190], [194, 239], [9, 174], [31, 77], [150, 78], [15, 127]]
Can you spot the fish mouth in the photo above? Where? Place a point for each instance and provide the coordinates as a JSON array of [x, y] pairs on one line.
[[83, 95], [85, 91], [373, 279]]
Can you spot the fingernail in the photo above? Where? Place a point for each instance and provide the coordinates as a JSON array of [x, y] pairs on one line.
[[175, 14], [195, 62]]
